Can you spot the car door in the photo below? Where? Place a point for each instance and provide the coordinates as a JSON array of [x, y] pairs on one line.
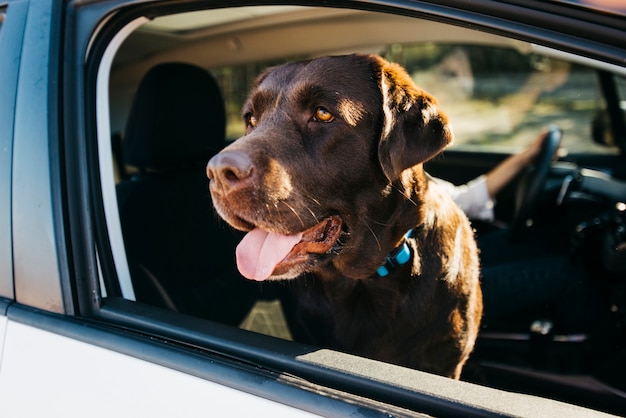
[[76, 340]]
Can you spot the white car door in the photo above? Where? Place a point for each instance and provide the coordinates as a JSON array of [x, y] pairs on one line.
[[47, 374]]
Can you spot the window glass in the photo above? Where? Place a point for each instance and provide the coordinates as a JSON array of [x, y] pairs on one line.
[[500, 97]]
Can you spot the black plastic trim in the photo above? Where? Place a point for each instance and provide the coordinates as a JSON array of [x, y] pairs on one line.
[[4, 305], [281, 356], [388, 384], [554, 27], [57, 163]]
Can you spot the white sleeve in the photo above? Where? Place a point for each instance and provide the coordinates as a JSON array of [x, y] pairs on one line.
[[473, 198]]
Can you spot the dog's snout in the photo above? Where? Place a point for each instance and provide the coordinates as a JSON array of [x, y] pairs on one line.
[[230, 169]]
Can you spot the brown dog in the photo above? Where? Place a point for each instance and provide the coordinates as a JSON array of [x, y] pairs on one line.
[[328, 179]]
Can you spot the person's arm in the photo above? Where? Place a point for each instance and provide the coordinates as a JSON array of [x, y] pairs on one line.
[[508, 169], [539, 82], [473, 197], [476, 198]]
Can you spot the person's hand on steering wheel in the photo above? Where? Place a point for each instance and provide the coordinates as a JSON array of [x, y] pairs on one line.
[[535, 162], [532, 181]]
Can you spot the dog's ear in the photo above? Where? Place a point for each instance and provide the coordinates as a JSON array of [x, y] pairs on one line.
[[414, 129]]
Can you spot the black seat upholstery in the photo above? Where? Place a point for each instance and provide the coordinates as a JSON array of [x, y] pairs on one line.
[[180, 256]]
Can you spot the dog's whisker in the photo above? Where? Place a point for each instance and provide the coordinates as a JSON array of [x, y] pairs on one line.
[[312, 214], [408, 199], [317, 202], [291, 208], [374, 235], [379, 223], [312, 199]]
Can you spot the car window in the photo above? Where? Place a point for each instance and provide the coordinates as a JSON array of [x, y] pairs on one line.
[[498, 92]]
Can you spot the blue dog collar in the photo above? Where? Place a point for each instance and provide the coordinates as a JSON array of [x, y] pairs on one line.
[[399, 256]]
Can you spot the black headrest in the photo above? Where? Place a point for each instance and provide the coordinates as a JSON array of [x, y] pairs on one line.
[[177, 117]]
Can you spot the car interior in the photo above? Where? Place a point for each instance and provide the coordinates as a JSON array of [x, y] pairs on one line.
[[176, 123], [176, 86]]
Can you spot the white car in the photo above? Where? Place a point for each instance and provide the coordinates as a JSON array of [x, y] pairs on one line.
[[118, 291]]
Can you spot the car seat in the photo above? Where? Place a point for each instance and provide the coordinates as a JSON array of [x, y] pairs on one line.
[[180, 256]]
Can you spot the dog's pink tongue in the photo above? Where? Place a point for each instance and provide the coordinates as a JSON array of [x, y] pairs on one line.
[[259, 252]]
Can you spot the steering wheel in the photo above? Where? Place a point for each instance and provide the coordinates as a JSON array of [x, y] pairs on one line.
[[532, 181]]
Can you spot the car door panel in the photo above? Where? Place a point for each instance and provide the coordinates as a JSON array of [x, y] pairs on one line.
[[84, 368]]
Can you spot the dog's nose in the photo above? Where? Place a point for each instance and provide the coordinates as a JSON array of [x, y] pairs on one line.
[[230, 169]]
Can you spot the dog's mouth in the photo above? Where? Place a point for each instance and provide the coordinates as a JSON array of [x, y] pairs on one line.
[[262, 254]]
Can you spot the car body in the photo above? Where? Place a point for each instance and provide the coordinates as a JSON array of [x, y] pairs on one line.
[[76, 336]]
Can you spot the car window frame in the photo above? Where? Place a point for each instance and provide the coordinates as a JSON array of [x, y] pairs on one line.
[[188, 332]]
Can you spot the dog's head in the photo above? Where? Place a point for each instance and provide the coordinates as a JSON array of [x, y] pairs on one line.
[[333, 147]]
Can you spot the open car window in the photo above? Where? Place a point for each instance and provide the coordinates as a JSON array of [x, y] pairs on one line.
[[160, 242], [499, 93]]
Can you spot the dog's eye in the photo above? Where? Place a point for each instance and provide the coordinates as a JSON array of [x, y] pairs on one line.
[[323, 115], [250, 120]]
